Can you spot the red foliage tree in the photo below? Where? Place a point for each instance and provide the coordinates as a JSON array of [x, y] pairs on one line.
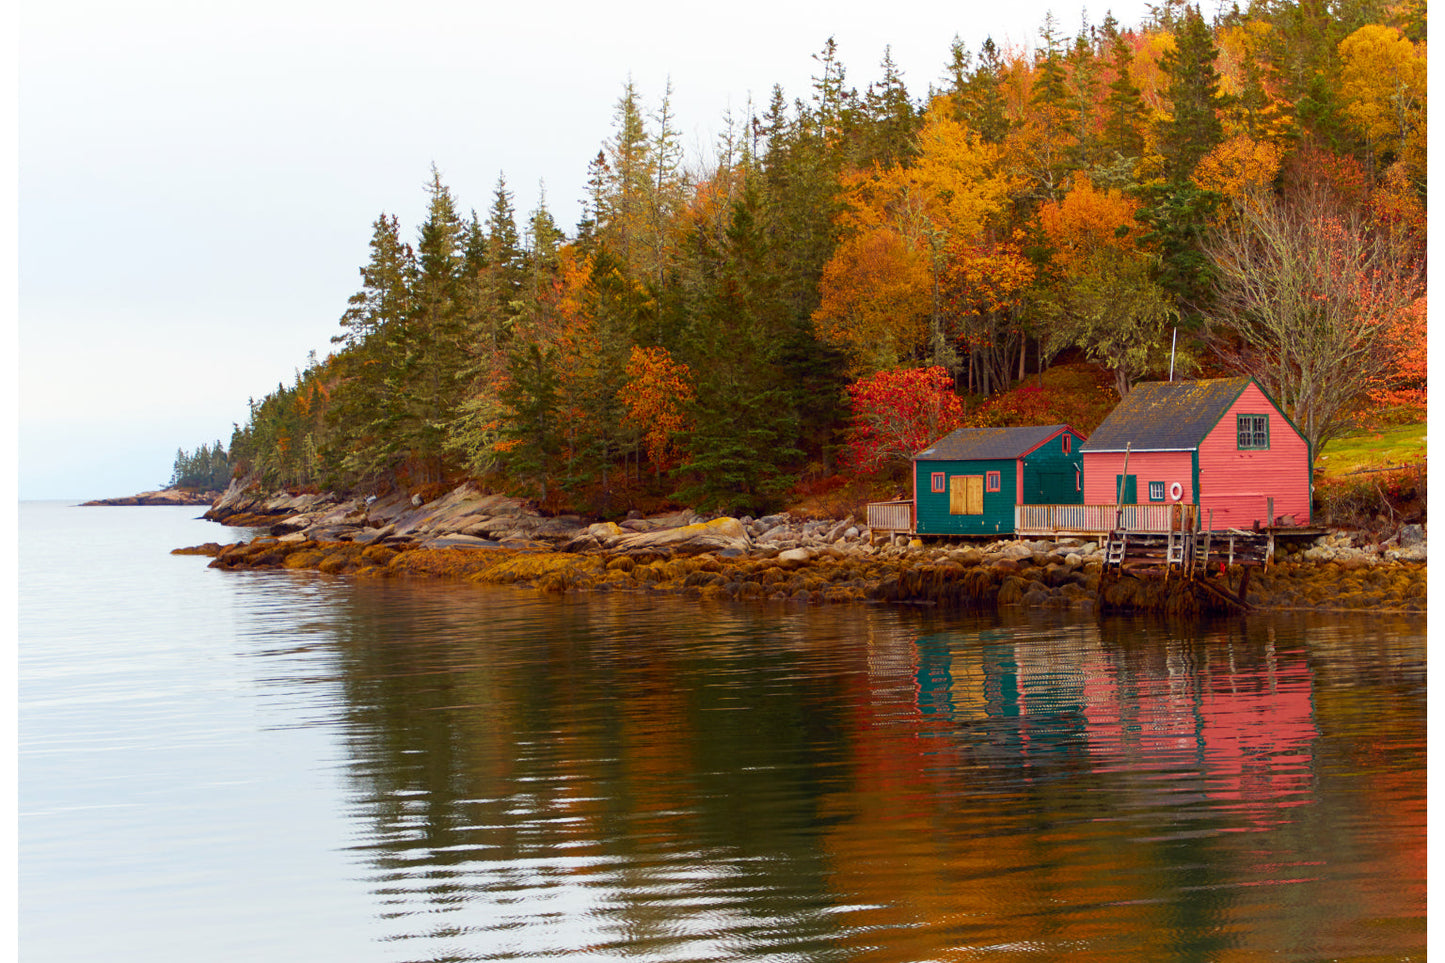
[[898, 413]]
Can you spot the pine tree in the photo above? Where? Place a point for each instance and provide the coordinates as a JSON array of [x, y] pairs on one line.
[[506, 267], [744, 422]]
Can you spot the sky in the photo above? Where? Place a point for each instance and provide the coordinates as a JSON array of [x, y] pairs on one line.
[[197, 182]]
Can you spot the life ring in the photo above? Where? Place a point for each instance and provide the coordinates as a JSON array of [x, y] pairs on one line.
[[1176, 491]]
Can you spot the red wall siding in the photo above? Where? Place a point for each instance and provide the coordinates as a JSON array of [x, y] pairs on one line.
[[1102, 468], [1237, 484]]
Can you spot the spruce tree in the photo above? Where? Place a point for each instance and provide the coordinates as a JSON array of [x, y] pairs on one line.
[[1122, 138], [365, 411], [436, 355], [1193, 126]]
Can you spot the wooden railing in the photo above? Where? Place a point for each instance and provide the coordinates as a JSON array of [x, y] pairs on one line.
[[890, 516], [1100, 519]]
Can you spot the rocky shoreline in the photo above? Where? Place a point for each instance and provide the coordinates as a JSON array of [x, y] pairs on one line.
[[482, 537], [166, 496]]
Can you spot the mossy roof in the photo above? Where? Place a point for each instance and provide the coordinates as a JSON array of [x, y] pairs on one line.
[[980, 444], [1166, 415]]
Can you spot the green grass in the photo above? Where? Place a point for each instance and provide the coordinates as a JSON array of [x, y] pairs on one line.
[[1391, 447]]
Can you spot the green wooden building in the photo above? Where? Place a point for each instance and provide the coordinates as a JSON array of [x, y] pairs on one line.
[[968, 482]]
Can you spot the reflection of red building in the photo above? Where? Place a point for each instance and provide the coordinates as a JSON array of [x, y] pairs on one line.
[[1247, 731]]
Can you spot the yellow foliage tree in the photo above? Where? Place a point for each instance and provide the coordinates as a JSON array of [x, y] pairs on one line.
[[897, 223], [874, 300], [1239, 168], [1382, 87]]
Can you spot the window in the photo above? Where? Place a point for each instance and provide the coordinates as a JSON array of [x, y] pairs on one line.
[[993, 481], [1156, 491], [1252, 431], [1066, 442], [965, 495], [1078, 480], [938, 482]]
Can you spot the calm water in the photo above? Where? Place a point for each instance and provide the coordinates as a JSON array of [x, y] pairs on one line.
[[288, 766]]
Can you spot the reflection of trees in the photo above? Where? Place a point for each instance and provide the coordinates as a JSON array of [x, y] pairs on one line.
[[512, 752], [536, 774]]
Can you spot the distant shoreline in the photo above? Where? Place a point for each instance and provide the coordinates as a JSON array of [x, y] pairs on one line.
[[165, 496]]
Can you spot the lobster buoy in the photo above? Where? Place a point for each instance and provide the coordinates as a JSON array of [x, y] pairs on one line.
[[1176, 491]]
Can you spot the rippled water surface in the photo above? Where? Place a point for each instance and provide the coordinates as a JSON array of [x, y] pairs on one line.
[[277, 765]]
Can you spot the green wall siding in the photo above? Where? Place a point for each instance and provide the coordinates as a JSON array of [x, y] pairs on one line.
[[998, 507], [1048, 476]]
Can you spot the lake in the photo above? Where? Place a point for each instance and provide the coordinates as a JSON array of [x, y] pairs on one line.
[[287, 765]]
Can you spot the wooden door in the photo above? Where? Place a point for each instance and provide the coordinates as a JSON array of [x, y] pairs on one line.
[[965, 495]]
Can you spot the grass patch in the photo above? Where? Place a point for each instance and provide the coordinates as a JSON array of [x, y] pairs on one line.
[[1372, 451]]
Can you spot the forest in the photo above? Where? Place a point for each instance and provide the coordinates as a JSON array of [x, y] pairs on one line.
[[856, 271]]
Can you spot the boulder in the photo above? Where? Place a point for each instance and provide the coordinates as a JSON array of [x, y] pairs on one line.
[[695, 539]]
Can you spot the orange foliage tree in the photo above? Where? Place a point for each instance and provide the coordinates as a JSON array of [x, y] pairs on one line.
[[1087, 219], [1402, 378], [874, 300], [945, 196], [656, 396], [985, 286]]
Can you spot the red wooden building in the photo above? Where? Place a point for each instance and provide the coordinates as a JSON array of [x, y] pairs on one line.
[[1221, 444]]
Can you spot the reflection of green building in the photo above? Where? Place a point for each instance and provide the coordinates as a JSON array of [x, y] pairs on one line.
[[968, 482]]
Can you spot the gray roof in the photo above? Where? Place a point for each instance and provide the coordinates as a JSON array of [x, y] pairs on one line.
[[1166, 415], [978, 444]]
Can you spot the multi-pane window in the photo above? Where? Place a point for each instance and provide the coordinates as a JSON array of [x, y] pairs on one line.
[[938, 482], [993, 481], [1156, 491], [1252, 431]]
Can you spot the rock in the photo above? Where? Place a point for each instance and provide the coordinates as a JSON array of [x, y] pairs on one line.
[[459, 541], [1412, 535], [795, 555], [836, 531], [694, 539]]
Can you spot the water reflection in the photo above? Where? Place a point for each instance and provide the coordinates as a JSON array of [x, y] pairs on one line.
[[532, 776]]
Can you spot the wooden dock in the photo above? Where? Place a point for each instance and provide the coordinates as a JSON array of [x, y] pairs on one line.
[[1194, 557]]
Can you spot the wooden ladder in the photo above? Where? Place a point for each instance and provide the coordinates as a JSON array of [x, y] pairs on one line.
[[1116, 548], [1176, 550], [1201, 552]]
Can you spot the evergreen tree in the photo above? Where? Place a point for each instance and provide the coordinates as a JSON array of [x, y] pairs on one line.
[[889, 121], [1053, 116], [744, 422], [1193, 127], [531, 426], [436, 356], [1125, 117], [366, 410], [506, 264]]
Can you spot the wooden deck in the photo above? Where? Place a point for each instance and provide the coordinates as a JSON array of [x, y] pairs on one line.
[[1100, 520]]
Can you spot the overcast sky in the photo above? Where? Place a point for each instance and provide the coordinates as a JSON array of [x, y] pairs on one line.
[[197, 181]]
